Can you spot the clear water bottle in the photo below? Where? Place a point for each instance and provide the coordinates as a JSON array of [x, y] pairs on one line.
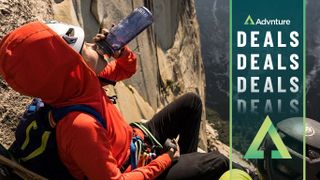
[[125, 31]]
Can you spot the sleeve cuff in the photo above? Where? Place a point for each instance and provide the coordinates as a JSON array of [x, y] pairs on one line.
[[165, 160]]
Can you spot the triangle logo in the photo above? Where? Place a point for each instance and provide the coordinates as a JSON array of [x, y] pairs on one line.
[[249, 21], [267, 127]]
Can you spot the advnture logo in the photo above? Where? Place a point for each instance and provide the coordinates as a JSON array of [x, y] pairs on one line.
[[267, 22], [249, 21]]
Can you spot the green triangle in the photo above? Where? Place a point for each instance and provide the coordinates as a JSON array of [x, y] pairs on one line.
[[267, 127], [249, 21]]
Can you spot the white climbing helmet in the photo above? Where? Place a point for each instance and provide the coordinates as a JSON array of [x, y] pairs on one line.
[[73, 35]]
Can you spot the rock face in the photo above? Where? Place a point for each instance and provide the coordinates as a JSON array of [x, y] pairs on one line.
[[11, 105], [169, 55], [14, 13]]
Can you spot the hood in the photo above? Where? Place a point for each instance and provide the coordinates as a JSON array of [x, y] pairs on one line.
[[36, 61]]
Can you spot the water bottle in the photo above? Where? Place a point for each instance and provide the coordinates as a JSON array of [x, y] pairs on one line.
[[125, 31]]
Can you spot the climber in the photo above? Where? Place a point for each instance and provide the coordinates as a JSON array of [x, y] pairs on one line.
[[65, 72]]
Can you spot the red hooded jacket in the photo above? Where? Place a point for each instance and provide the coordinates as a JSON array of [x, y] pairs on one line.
[[36, 62]]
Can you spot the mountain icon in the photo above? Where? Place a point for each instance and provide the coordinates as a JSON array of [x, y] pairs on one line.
[[249, 21]]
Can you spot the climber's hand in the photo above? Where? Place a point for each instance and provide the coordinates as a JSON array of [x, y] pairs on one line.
[[174, 153], [101, 36]]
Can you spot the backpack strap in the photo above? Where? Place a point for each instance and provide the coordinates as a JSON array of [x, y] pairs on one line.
[[60, 113]]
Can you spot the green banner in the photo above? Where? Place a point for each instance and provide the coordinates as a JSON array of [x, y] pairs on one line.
[[267, 85]]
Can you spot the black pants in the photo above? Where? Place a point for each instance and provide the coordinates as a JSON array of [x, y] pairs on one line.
[[182, 117]]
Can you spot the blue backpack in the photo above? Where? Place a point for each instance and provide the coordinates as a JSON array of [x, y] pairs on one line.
[[35, 145]]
